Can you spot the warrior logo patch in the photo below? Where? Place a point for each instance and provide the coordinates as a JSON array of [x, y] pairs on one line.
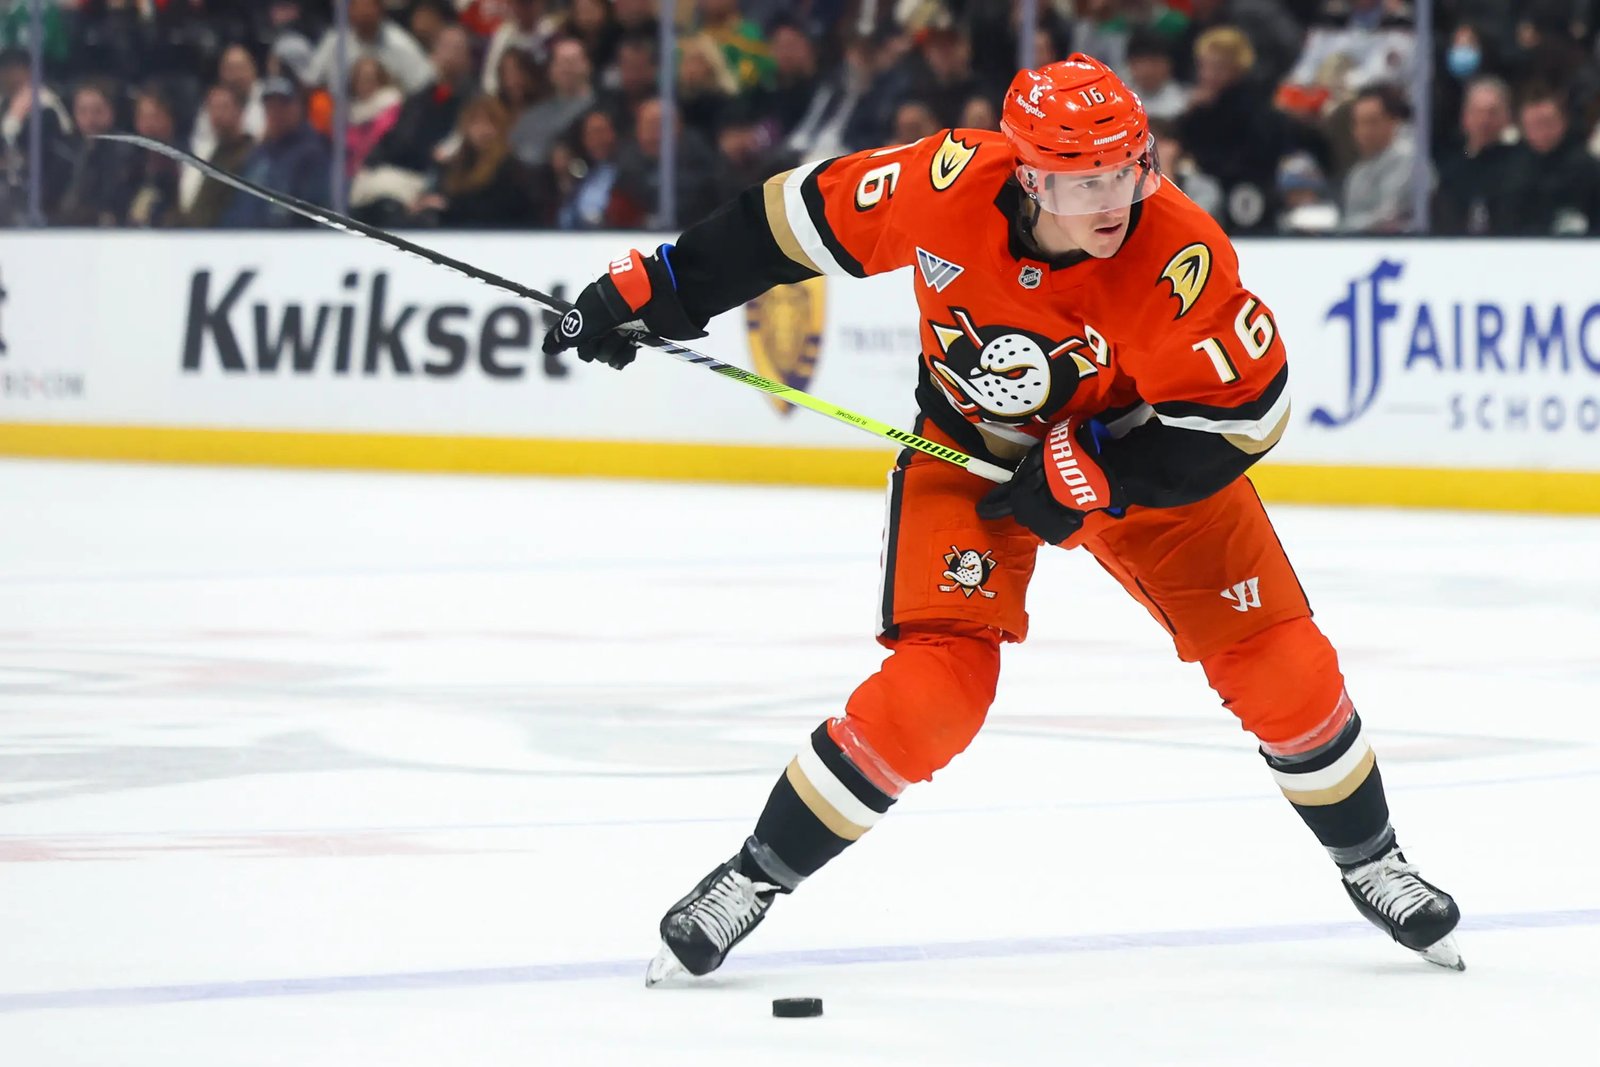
[[1187, 273], [936, 273], [1007, 373], [967, 571]]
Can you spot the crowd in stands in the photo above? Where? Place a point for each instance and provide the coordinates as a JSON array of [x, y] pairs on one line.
[[1275, 115]]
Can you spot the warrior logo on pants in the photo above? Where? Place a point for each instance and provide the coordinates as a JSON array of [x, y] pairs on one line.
[[967, 571]]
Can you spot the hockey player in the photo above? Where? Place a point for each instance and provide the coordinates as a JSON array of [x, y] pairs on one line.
[[1083, 320]]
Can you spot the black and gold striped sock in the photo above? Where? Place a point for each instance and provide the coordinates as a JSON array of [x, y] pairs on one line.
[[819, 806], [1337, 790]]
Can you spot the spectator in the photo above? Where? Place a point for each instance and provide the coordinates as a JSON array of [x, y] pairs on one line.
[[1378, 189], [291, 158], [429, 115], [1275, 35], [528, 28], [22, 104], [914, 120], [639, 164], [155, 198], [373, 35], [795, 79], [1100, 30], [742, 145], [534, 134], [821, 132], [1464, 58], [1479, 183], [1547, 49], [636, 18], [705, 84], [102, 179], [1361, 43], [428, 18], [1150, 75], [742, 46], [522, 83], [1303, 194], [290, 58], [592, 23], [942, 76], [1159, 16], [979, 113], [1231, 130], [636, 79], [1047, 44], [236, 71], [1180, 168], [375, 103], [589, 174], [1562, 194], [231, 148], [481, 185]]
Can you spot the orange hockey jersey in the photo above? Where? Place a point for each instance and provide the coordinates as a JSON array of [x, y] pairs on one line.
[[1161, 342]]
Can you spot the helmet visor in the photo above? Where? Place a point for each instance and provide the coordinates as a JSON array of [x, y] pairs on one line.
[[1091, 192]]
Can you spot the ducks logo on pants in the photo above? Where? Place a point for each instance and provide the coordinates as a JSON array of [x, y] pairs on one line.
[[967, 571]]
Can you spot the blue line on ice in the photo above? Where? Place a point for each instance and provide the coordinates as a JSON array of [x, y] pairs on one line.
[[999, 948]]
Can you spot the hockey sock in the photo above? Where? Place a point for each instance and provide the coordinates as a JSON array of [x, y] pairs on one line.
[[832, 792], [1336, 788]]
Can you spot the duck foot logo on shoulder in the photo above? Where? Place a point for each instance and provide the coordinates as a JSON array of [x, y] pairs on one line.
[[967, 570]]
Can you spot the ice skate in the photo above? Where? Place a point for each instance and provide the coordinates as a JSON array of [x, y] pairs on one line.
[[698, 931], [1416, 913]]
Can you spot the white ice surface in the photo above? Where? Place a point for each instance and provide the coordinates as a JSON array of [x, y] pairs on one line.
[[306, 769]]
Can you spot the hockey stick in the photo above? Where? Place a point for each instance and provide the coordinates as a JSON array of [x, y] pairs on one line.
[[982, 468]]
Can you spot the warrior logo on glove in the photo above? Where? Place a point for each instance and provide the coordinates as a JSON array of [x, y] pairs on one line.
[[572, 323], [1068, 477], [968, 571]]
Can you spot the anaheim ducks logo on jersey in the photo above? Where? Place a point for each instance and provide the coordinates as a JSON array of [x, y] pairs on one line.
[[950, 160], [1188, 272], [1007, 373]]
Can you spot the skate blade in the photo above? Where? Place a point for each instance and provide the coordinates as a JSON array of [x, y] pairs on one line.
[[1444, 953], [664, 967]]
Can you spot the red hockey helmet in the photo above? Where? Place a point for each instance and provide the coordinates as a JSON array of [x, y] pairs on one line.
[[1081, 138]]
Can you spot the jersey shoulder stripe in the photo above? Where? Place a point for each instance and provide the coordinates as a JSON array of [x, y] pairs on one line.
[[799, 224], [860, 214]]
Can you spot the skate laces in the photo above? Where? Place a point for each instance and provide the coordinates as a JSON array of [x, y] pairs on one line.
[[728, 908], [1391, 885]]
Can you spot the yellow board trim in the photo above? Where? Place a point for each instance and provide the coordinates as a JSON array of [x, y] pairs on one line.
[[1549, 492], [1562, 492]]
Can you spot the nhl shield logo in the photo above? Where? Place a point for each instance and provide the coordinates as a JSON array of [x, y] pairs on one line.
[[967, 570], [1030, 277], [783, 328]]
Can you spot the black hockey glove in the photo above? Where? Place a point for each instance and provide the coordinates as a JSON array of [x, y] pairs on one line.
[[637, 294], [1056, 485]]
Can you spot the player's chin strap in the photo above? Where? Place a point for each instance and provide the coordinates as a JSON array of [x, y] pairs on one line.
[[1029, 218]]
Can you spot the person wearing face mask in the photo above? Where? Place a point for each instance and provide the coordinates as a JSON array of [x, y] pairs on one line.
[[1464, 58]]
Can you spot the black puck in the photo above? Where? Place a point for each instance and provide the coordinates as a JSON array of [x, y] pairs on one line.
[[797, 1007]]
